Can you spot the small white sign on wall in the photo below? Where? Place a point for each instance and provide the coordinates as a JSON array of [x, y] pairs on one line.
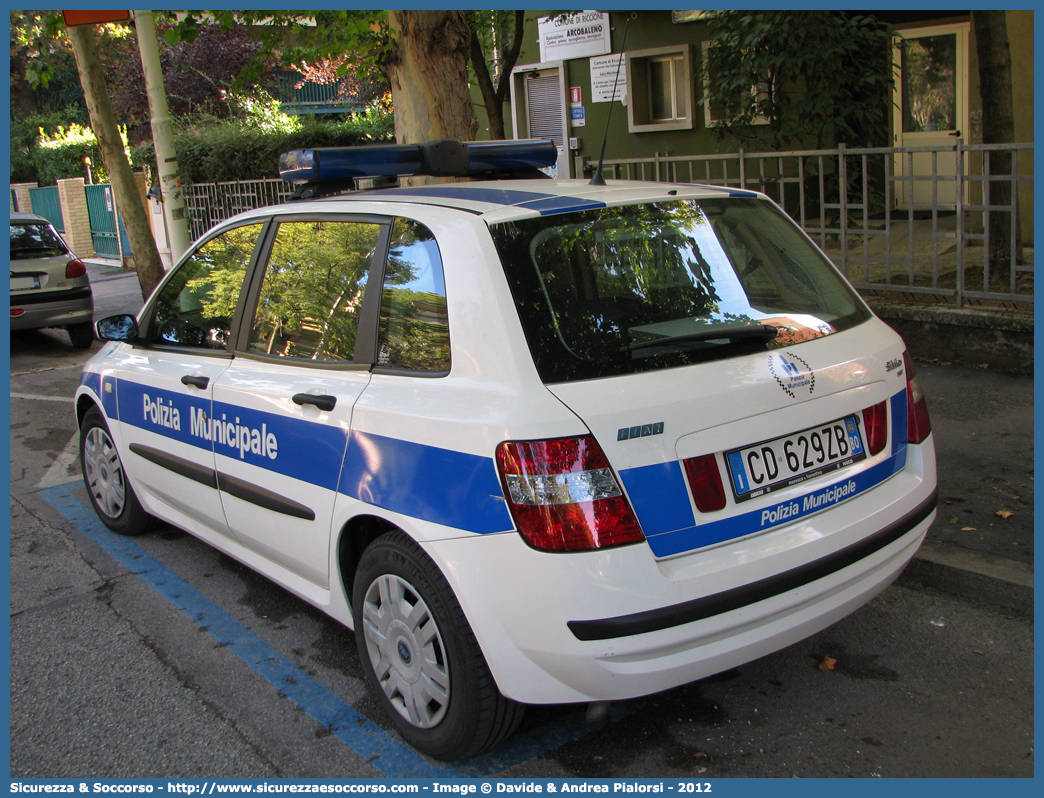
[[573, 36], [604, 72]]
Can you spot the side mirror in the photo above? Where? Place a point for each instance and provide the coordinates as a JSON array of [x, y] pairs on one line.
[[118, 328]]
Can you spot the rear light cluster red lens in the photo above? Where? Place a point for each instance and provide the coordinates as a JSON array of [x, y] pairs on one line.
[[705, 481], [919, 425], [75, 268], [876, 420], [563, 495]]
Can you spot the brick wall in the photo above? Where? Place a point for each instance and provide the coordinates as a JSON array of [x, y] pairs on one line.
[[21, 191], [77, 221]]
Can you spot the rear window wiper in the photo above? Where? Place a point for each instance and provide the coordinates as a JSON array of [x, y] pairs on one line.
[[763, 332]]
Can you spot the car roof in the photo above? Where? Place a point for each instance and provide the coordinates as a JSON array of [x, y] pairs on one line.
[[21, 216], [505, 200]]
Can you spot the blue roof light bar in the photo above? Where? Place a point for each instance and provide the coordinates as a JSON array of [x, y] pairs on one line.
[[438, 158]]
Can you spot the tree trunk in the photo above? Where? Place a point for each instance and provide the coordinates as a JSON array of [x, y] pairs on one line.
[[495, 97], [103, 122], [494, 109], [428, 72], [998, 127]]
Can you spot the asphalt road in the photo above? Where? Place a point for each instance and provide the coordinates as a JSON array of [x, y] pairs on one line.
[[160, 657]]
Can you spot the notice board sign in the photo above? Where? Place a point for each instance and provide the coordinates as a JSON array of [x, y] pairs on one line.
[[573, 35]]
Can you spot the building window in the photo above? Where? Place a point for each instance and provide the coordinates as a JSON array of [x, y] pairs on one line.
[[714, 113], [659, 85]]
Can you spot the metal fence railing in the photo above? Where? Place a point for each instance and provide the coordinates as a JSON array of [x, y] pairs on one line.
[[916, 220], [913, 220], [206, 204]]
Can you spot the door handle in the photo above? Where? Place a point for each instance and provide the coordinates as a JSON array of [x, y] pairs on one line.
[[956, 134], [199, 382], [322, 401]]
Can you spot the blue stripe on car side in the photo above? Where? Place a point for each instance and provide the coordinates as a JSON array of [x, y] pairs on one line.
[[900, 421], [787, 512], [664, 508], [109, 394], [659, 498], [438, 485], [305, 450], [105, 389]]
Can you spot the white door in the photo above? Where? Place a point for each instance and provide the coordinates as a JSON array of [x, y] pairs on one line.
[[543, 105], [931, 98], [166, 380], [283, 408]]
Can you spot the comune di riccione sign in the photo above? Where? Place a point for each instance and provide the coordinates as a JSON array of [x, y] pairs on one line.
[[573, 35]]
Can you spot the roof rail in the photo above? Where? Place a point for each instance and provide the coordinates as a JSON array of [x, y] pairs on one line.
[[332, 170]]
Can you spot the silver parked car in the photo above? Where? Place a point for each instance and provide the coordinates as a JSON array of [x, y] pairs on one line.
[[49, 284]]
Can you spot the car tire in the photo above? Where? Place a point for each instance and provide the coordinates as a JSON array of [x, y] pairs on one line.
[[420, 656], [81, 335], [107, 484]]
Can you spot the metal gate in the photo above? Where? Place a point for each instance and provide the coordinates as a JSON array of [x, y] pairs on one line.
[[105, 222], [46, 203]]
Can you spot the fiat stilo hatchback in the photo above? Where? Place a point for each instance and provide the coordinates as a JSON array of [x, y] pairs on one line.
[[535, 441]]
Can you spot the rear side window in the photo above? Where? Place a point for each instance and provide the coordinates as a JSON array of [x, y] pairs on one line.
[[643, 287], [311, 297], [414, 324], [195, 307]]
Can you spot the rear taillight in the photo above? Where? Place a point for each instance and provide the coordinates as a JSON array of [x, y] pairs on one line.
[[705, 481], [17, 311], [75, 268], [876, 421], [563, 495], [919, 426]]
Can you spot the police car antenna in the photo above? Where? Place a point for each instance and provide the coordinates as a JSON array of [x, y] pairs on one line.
[[597, 179]]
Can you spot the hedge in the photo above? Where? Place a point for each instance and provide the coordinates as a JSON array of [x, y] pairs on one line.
[[225, 151]]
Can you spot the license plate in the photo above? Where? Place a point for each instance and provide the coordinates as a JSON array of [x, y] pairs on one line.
[[790, 459], [25, 283]]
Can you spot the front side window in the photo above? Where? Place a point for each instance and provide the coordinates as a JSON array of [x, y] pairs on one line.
[[195, 307], [313, 288], [414, 325], [644, 287]]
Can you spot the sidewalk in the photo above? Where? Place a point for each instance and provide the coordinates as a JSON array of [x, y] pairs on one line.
[[981, 544]]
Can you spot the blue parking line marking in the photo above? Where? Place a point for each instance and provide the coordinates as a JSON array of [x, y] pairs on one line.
[[382, 749], [369, 741]]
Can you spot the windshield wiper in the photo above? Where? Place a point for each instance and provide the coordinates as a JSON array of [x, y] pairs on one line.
[[763, 332]]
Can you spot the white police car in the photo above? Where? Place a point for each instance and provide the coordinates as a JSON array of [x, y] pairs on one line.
[[536, 441]]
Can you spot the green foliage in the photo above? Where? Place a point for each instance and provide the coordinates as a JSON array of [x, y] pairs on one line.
[[50, 147], [213, 151], [25, 141], [818, 77]]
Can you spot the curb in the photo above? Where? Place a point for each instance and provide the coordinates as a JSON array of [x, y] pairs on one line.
[[1003, 339], [1006, 585]]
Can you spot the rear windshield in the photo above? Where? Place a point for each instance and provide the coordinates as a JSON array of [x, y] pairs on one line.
[[34, 240], [643, 287]]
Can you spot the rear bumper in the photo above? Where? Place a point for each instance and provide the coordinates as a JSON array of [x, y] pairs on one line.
[[55, 309], [596, 626], [718, 604]]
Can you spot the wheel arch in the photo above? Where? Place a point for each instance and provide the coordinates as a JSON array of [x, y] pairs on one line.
[[84, 403], [355, 536]]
